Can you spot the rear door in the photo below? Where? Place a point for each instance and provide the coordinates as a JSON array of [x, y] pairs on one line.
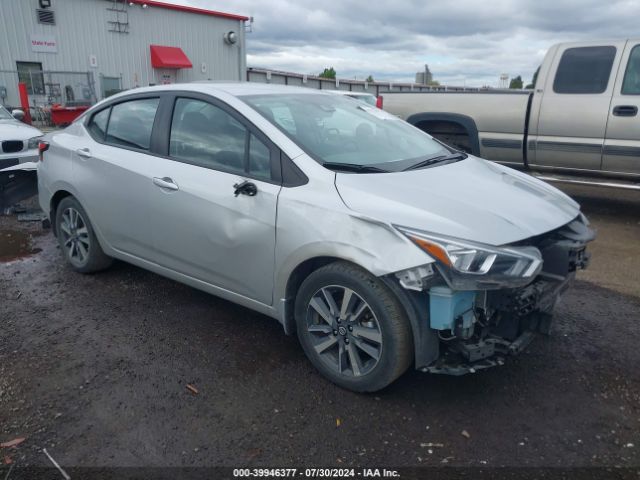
[[214, 197], [622, 145], [110, 169], [574, 105]]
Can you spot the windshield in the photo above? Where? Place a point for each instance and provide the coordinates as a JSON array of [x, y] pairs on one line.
[[333, 129], [4, 114]]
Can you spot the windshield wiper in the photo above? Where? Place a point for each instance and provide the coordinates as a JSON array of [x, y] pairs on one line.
[[353, 167], [452, 157]]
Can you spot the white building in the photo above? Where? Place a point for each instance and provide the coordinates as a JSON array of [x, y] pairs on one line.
[[79, 51]]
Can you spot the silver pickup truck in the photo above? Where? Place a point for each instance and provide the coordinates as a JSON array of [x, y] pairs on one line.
[[580, 124]]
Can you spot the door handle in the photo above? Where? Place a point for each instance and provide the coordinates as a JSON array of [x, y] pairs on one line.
[[625, 111], [245, 188], [165, 182], [84, 152]]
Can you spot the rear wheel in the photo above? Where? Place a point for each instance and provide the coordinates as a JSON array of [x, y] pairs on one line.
[[352, 328], [77, 238]]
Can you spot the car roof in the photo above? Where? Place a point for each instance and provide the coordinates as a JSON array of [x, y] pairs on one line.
[[351, 93], [237, 89]]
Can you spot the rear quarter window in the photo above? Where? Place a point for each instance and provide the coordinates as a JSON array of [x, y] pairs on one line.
[[584, 70], [97, 126]]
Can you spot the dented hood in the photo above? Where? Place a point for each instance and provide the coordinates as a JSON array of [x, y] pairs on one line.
[[472, 199]]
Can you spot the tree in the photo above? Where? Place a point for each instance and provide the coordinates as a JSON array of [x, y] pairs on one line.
[[516, 82], [328, 73], [433, 83], [369, 79], [532, 85]]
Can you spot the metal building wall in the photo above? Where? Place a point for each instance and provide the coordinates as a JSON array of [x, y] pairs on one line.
[[82, 29]]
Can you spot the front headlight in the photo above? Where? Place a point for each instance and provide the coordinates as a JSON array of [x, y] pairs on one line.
[[469, 265], [33, 142]]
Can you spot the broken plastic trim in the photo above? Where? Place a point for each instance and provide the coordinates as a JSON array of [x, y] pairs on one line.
[[415, 278]]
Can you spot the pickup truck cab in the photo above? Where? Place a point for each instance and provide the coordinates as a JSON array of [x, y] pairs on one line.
[[580, 124]]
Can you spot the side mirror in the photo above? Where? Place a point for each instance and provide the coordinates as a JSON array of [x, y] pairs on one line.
[[18, 114]]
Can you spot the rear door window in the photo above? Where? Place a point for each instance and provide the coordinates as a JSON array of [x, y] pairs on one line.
[[631, 83], [584, 70], [131, 123]]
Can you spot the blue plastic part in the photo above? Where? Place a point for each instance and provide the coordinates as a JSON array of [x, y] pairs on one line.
[[445, 305]]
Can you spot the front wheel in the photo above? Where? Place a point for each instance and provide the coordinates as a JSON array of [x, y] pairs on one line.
[[77, 238], [352, 328]]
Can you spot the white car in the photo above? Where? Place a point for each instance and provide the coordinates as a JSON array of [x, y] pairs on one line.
[[18, 141], [381, 247]]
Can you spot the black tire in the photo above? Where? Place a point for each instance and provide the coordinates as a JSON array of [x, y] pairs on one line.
[[89, 256], [384, 313]]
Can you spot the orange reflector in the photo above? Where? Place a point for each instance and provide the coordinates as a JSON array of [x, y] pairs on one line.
[[433, 249]]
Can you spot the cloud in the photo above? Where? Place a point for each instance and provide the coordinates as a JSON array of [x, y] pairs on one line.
[[466, 41]]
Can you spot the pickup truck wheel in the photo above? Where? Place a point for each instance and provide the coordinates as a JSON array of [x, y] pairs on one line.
[[352, 328], [77, 238]]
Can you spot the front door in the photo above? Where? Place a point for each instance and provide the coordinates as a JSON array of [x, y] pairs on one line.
[[572, 107], [622, 145], [214, 201]]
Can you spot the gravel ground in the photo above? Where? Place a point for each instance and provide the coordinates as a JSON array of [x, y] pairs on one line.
[[95, 369]]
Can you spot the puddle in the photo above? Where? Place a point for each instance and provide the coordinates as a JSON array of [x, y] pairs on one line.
[[15, 245]]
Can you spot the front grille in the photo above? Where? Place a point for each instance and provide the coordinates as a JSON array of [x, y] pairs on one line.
[[12, 146]]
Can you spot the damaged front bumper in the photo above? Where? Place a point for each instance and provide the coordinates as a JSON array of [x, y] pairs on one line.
[[478, 329]]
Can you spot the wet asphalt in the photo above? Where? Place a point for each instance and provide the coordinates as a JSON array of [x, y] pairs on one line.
[[95, 369]]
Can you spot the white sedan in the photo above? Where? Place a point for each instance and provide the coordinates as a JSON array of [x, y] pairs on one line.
[[379, 246], [18, 141]]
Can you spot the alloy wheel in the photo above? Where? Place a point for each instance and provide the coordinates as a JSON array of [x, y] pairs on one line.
[[344, 331], [75, 236]]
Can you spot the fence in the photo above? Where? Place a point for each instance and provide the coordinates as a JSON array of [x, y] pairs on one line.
[[260, 75], [47, 88]]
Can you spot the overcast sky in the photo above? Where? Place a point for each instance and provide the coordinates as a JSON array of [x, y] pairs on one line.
[[464, 41]]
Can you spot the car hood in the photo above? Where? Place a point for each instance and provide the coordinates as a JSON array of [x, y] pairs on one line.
[[15, 130], [472, 199]]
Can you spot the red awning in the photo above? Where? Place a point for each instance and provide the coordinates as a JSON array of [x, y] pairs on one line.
[[169, 57]]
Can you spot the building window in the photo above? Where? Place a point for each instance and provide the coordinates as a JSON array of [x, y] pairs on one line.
[[31, 74], [584, 70], [110, 86]]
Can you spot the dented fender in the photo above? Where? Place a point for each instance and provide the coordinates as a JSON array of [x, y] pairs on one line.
[[308, 229]]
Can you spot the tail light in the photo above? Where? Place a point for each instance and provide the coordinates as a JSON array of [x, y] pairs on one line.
[[379, 101], [42, 147]]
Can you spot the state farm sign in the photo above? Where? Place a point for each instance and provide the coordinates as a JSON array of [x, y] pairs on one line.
[[44, 43]]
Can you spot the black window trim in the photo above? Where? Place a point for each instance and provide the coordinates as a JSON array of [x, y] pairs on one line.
[[626, 69], [110, 105], [284, 171], [606, 87]]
